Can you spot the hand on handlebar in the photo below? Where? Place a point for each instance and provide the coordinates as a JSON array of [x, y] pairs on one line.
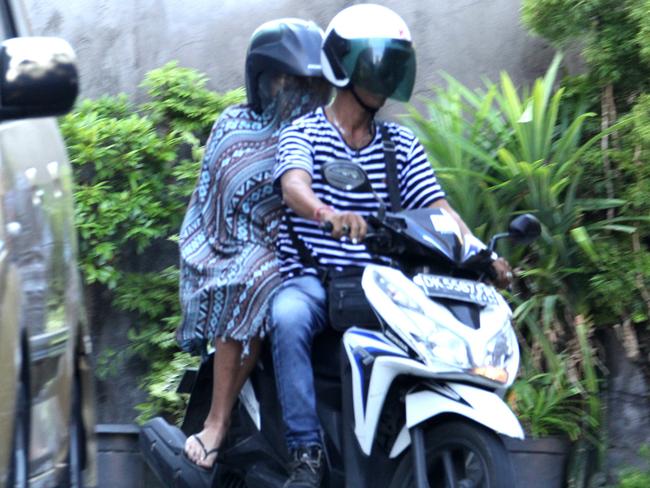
[[343, 224], [503, 272]]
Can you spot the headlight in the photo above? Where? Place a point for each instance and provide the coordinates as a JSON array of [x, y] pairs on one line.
[[397, 295], [433, 343], [442, 346], [501, 358], [420, 323]]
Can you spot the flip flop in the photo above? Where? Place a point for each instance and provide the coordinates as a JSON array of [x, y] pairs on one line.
[[206, 454]]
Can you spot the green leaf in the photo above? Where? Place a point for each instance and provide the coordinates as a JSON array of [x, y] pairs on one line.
[[581, 237]]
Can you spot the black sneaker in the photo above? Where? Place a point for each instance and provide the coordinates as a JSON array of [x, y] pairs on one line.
[[306, 468]]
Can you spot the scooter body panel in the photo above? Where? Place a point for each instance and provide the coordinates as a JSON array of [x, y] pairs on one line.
[[367, 351], [375, 363], [481, 406]]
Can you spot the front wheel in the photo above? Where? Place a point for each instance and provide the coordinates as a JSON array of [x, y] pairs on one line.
[[459, 454]]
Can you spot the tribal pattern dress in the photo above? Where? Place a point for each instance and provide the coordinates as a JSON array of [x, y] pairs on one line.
[[228, 265]]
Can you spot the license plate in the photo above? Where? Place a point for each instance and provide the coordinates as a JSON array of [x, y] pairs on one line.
[[437, 286]]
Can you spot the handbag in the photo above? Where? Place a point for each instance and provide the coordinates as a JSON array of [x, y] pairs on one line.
[[347, 304]]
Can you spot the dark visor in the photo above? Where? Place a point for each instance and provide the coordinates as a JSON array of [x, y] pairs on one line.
[[383, 67]]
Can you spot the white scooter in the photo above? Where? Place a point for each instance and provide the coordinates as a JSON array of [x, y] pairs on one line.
[[417, 402], [451, 336]]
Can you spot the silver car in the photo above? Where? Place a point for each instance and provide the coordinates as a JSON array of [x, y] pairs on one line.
[[46, 410]]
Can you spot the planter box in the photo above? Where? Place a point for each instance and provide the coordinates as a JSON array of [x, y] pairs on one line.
[[119, 462], [539, 463]]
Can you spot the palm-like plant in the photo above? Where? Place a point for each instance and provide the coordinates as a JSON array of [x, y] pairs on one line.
[[458, 124], [500, 151], [548, 403]]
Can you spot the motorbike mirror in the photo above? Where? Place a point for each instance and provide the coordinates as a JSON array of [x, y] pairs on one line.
[[524, 229], [345, 175]]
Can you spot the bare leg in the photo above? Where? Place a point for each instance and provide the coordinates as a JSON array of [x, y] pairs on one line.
[[230, 374]]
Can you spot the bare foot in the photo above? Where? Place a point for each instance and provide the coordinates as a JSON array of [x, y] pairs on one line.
[[201, 448]]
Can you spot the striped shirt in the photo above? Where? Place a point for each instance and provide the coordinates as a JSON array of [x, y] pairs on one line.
[[310, 142]]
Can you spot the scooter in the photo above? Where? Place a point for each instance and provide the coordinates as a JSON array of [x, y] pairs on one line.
[[417, 402]]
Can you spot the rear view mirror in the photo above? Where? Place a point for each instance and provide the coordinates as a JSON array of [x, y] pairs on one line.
[[524, 229], [346, 176], [38, 77]]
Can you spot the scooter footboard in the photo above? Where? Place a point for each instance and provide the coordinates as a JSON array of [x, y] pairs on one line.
[[476, 404]]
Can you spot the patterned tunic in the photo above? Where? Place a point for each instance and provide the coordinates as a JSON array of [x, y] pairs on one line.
[[228, 265]]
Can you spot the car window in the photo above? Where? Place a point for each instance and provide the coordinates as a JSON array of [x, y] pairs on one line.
[[3, 29]]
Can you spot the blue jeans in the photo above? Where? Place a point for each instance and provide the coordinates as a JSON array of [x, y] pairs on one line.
[[297, 315]]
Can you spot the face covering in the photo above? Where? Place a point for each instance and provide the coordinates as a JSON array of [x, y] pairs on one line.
[[286, 97]]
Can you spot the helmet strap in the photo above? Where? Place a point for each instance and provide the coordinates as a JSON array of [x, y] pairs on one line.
[[371, 110]]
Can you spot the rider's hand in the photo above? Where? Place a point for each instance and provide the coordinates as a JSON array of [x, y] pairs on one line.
[[347, 224], [503, 273]]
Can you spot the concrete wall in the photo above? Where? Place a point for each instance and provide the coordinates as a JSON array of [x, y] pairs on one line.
[[117, 42]]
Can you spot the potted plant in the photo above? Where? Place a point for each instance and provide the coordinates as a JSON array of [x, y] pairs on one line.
[[551, 409]]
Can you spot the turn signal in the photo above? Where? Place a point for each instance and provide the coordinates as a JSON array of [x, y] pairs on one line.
[[491, 373]]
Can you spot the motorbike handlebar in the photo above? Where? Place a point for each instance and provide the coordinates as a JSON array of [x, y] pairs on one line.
[[327, 226], [379, 240], [376, 238]]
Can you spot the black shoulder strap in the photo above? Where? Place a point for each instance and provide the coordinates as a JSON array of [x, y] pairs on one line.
[[391, 169], [307, 258]]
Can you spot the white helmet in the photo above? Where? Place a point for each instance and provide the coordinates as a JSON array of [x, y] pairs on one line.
[[369, 46]]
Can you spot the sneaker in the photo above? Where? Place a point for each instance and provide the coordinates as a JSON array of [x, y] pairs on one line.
[[306, 468]]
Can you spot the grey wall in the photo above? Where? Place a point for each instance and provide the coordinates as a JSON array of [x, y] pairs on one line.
[[117, 42]]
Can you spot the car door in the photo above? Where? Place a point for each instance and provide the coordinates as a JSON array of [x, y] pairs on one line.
[[9, 338], [42, 344], [42, 248]]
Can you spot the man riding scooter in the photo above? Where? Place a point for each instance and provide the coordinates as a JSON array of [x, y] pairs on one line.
[[368, 56]]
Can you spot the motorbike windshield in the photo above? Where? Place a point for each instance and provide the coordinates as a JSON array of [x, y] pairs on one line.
[[472, 246], [436, 229]]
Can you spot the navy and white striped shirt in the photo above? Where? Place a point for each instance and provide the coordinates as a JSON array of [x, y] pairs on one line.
[[310, 142]]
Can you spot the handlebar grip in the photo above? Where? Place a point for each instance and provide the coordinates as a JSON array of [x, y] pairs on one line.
[[327, 226]]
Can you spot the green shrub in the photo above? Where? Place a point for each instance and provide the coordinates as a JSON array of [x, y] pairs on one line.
[[548, 404], [614, 35]]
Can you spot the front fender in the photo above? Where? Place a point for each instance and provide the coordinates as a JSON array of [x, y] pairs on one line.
[[476, 404]]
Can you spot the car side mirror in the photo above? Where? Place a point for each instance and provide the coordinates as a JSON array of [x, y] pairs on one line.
[[524, 229], [38, 77]]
